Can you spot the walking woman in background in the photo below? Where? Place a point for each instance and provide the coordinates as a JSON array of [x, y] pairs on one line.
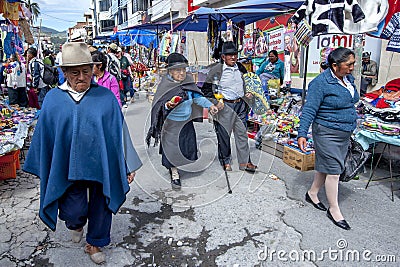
[[103, 77], [330, 109], [16, 81], [172, 116]]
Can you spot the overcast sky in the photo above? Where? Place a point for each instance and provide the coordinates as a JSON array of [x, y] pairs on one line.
[[62, 14]]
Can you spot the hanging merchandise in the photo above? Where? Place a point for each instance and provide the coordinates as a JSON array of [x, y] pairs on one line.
[[292, 49], [248, 46], [213, 36], [253, 85], [229, 31], [182, 43], [27, 14], [174, 43], [165, 44], [394, 7], [392, 32], [26, 31], [10, 10], [12, 44], [303, 33], [261, 47], [238, 32], [330, 17], [375, 11]]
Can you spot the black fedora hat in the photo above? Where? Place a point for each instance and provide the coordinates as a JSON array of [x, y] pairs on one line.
[[229, 48], [366, 55], [176, 60]]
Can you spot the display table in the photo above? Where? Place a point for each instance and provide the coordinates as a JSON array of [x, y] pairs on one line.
[[366, 138]]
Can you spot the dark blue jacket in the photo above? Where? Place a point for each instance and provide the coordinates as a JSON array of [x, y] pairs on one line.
[[80, 141], [330, 104]]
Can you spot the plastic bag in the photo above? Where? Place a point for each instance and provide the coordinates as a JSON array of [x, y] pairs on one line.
[[354, 161]]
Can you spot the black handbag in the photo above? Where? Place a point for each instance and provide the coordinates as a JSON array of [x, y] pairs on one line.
[[354, 161]]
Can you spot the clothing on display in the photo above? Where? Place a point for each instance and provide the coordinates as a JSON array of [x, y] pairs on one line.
[[375, 11], [328, 17], [392, 32]]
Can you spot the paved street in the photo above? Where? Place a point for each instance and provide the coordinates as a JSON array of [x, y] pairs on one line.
[[264, 222]]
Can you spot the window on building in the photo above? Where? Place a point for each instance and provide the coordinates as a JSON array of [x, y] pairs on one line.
[[107, 25], [124, 13], [134, 6], [105, 5], [142, 5]]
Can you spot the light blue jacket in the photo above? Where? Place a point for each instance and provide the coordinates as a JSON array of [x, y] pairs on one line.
[[278, 72], [183, 111]]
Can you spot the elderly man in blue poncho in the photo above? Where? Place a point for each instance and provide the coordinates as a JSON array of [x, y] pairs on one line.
[[81, 144]]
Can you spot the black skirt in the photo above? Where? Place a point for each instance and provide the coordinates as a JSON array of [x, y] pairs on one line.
[[330, 149], [178, 143]]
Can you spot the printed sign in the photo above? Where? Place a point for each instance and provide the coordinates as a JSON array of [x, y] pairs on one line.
[[276, 41]]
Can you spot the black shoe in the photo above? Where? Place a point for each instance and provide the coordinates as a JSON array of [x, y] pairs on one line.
[[176, 183], [318, 206], [342, 223]]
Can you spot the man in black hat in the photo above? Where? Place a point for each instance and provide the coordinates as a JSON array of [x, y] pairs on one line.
[[225, 79], [369, 73]]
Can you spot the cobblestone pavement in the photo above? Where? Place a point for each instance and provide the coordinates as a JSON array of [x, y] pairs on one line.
[[203, 225]]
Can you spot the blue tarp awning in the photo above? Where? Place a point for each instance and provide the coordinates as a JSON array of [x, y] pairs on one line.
[[135, 36], [271, 4], [198, 21], [157, 27], [102, 37]]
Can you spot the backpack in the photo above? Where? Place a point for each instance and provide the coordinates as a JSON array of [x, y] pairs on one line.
[[50, 74], [113, 67]]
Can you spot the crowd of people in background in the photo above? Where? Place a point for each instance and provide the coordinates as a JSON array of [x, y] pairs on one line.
[[87, 77], [25, 76]]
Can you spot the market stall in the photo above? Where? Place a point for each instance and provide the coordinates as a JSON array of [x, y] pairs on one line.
[[16, 128]]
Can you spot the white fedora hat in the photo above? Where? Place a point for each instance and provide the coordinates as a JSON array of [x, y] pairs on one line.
[[76, 54]]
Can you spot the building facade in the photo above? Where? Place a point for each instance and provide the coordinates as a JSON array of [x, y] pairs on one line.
[[110, 16]]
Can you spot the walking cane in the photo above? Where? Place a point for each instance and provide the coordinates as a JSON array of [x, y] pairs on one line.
[[226, 173]]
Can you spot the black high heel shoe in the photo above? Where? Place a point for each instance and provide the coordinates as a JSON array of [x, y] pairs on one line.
[[342, 223], [318, 206]]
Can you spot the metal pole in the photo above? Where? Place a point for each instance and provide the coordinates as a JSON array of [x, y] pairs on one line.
[[303, 95], [170, 16], [39, 50], [358, 49]]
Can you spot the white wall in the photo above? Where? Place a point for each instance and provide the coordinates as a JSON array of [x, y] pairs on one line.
[[389, 67]]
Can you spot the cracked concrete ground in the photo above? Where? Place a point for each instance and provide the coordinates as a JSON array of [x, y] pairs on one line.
[[203, 225]]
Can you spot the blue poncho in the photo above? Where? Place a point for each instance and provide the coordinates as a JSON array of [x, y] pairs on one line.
[[80, 141]]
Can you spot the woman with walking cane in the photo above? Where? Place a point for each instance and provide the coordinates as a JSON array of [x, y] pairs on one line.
[[177, 103]]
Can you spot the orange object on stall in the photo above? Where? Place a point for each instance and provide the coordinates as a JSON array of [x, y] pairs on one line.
[[9, 163]]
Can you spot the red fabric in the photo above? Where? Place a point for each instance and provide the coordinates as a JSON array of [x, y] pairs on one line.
[[121, 85], [393, 85], [394, 7], [382, 104], [33, 99]]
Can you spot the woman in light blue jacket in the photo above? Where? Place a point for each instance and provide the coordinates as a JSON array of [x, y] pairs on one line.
[[272, 68]]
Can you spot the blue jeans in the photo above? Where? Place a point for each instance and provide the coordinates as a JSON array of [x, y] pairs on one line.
[[42, 93]]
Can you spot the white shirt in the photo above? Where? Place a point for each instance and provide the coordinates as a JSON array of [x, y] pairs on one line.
[[17, 77], [346, 84], [58, 59], [77, 96], [231, 83]]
